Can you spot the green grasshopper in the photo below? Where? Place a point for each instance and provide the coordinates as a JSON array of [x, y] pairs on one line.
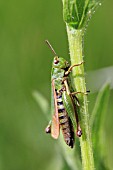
[[63, 101]]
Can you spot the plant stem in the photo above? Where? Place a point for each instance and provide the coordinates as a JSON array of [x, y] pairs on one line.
[[75, 38]]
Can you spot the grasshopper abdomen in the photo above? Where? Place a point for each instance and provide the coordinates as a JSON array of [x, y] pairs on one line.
[[65, 122]]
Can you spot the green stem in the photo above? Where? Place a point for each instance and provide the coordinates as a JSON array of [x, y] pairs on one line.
[[75, 38]]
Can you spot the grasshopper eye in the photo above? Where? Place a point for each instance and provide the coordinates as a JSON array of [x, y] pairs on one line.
[[56, 61]]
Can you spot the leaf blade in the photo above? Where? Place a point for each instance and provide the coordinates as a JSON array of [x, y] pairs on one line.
[[76, 13], [42, 101], [97, 124]]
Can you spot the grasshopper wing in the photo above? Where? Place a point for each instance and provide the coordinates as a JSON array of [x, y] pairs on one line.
[[55, 127]]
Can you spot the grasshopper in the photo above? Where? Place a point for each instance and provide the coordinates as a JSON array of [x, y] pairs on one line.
[[63, 107]]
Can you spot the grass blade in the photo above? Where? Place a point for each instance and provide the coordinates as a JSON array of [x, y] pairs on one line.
[[97, 124], [42, 102]]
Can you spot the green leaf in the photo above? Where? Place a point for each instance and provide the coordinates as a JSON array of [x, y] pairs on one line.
[[76, 13], [97, 125], [71, 156], [42, 102]]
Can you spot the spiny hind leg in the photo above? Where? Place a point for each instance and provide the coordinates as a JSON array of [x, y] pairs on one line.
[[78, 131], [72, 96]]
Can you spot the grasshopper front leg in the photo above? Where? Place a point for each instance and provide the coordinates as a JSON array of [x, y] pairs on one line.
[[71, 67]]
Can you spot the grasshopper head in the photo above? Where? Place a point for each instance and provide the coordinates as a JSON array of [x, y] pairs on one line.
[[59, 62]]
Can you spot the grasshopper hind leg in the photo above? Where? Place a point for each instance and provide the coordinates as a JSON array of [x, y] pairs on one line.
[[72, 139]]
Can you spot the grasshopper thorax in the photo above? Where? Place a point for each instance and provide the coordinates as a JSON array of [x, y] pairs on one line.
[[61, 63]]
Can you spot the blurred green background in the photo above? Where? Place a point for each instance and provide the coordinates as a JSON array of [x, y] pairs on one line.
[[25, 66]]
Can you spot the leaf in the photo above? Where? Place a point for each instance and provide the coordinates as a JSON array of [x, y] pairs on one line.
[[97, 124], [76, 13], [42, 102], [70, 156]]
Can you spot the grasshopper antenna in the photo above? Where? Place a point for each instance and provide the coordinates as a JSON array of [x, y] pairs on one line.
[[50, 46]]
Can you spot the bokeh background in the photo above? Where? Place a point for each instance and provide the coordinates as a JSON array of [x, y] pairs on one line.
[[25, 66]]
